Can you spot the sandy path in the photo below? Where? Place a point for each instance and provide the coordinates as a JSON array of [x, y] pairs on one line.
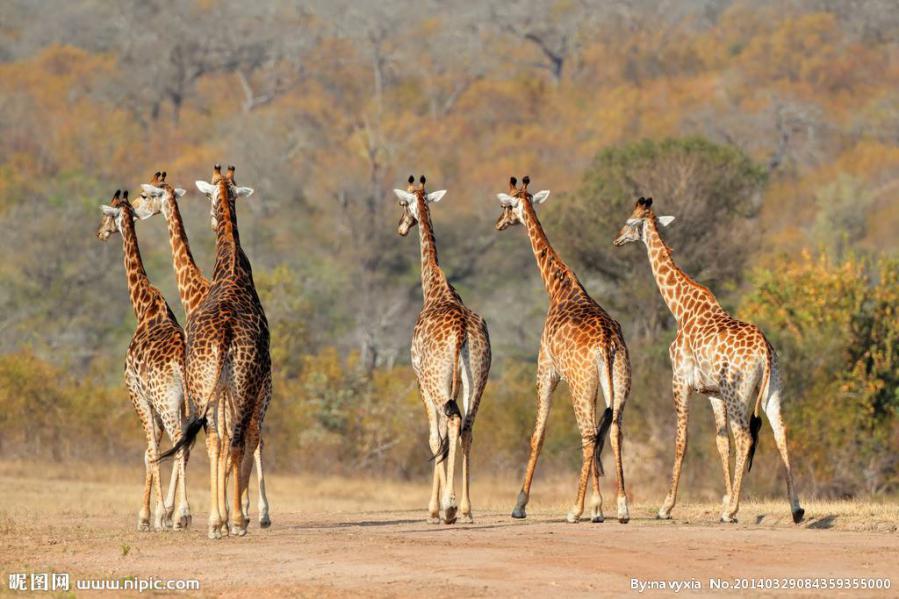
[[397, 554], [327, 541]]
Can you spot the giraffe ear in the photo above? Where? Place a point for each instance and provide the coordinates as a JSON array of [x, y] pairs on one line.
[[404, 196], [204, 187], [506, 200], [665, 220], [541, 196], [435, 196], [109, 210], [244, 192], [179, 192]]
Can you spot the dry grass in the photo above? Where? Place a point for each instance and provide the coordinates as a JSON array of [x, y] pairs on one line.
[[33, 493]]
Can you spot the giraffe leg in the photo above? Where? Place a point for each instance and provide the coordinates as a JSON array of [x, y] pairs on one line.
[[264, 519], [213, 449], [736, 413], [621, 385], [596, 501], [584, 399], [547, 379], [246, 467], [170, 494], [164, 505], [454, 429], [224, 465], [184, 517], [722, 440], [465, 504], [145, 414], [772, 410], [434, 442], [160, 521], [143, 517], [238, 520], [681, 392], [475, 366]]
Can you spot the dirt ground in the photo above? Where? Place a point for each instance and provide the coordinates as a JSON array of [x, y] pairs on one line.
[[338, 537]]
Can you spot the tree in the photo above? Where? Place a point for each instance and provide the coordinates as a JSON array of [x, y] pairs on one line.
[[713, 191]]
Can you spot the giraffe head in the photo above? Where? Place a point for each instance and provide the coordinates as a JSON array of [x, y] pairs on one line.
[[408, 201], [118, 209], [157, 196], [634, 226], [213, 189], [512, 203]]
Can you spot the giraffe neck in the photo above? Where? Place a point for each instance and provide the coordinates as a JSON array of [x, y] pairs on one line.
[[674, 284], [558, 279], [433, 281], [192, 285], [139, 288], [227, 241]]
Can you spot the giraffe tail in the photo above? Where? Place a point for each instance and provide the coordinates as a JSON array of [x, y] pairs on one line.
[[602, 431], [187, 438], [755, 421], [442, 451]]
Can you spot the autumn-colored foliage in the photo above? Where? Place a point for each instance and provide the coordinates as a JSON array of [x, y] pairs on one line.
[[766, 129]]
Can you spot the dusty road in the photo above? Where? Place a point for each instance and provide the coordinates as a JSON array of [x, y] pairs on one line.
[[349, 543]]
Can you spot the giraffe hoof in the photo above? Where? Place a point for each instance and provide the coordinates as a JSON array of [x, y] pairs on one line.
[[184, 521], [449, 515], [143, 526], [661, 516], [434, 519], [214, 533], [467, 518], [728, 520], [237, 530], [798, 515], [572, 518], [598, 519], [519, 513], [264, 521]]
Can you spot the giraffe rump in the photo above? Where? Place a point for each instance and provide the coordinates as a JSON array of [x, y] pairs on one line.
[[602, 431]]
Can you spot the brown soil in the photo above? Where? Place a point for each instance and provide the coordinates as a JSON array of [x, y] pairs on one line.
[[338, 537]]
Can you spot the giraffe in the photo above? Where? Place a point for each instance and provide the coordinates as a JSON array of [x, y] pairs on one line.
[[228, 361], [716, 355], [161, 197], [450, 347], [582, 345], [154, 371]]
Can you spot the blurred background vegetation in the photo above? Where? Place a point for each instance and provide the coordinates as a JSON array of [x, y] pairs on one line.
[[769, 129]]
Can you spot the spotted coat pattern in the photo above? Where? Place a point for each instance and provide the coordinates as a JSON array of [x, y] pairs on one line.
[[228, 362], [450, 355], [193, 288], [716, 355], [154, 373], [582, 345]]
